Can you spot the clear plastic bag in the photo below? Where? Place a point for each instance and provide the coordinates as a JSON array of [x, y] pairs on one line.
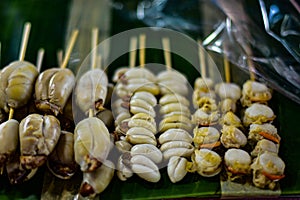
[[265, 34]]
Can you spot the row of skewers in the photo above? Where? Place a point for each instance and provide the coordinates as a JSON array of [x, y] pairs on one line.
[[253, 133], [40, 136], [144, 145]]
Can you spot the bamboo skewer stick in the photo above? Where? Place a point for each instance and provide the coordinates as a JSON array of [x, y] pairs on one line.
[[227, 70], [11, 113], [226, 65], [69, 49], [251, 69], [142, 40], [25, 37], [94, 44], [132, 54], [40, 57], [99, 61], [59, 55], [167, 52], [202, 60]]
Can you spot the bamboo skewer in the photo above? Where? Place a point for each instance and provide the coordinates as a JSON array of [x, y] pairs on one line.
[[227, 70], [202, 60], [99, 61], [25, 37], [167, 52], [69, 49], [226, 65], [142, 40], [40, 57], [94, 43], [132, 54], [59, 55], [251, 69]]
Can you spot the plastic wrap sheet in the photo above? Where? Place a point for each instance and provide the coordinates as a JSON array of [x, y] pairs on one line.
[[269, 40], [261, 33]]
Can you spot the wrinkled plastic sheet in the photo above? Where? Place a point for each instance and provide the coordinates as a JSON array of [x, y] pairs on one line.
[[262, 33]]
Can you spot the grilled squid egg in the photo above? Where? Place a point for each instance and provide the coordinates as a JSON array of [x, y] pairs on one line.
[[227, 105], [263, 146], [204, 84], [228, 90], [258, 114], [268, 168], [207, 104], [268, 131], [233, 137], [230, 119], [206, 162], [254, 91], [203, 118], [206, 137], [237, 162]]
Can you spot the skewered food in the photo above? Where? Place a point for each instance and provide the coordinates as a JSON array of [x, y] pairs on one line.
[[259, 131], [91, 144], [237, 163], [268, 169], [124, 167], [258, 114], [264, 145], [177, 168], [145, 168], [91, 90], [203, 118], [173, 98], [122, 145], [203, 84], [140, 120], [232, 137], [137, 79], [16, 173], [38, 136], [176, 148], [207, 104], [119, 73], [141, 102], [148, 150], [16, 84], [52, 90], [95, 182], [206, 137], [206, 162], [171, 81], [228, 91], [227, 105], [61, 161], [9, 138], [175, 134], [230, 119], [203, 87], [254, 91]]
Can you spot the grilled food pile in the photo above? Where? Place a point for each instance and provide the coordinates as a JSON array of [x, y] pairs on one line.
[[221, 128]]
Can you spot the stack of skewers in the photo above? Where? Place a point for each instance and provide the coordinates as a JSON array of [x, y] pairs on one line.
[[245, 149]]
